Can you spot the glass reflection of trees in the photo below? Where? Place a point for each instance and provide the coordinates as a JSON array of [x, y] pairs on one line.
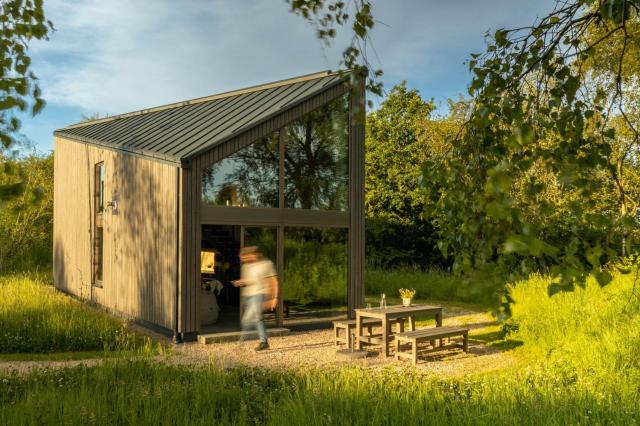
[[316, 166], [315, 269], [316, 158], [247, 178]]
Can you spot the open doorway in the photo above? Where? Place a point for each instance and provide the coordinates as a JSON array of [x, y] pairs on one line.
[[220, 301], [219, 265]]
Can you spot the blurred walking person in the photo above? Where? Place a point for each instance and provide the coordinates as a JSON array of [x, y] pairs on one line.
[[259, 291]]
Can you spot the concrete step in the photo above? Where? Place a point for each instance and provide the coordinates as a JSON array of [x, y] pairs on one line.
[[209, 338]]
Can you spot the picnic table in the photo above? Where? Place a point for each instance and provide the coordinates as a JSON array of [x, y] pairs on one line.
[[386, 315]]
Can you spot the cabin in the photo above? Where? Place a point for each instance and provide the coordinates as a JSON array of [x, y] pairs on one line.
[[151, 207]]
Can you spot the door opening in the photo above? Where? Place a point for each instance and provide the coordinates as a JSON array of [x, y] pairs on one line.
[[220, 302]]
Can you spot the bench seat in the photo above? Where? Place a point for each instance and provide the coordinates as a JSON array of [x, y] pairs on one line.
[[413, 338]]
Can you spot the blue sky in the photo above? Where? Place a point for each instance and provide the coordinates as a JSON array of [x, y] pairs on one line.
[[109, 57]]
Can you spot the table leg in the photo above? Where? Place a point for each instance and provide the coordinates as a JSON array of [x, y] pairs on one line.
[[385, 336], [438, 323], [412, 324], [358, 331], [401, 325]]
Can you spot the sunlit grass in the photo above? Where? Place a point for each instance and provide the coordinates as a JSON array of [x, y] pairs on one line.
[[435, 284], [161, 394], [580, 365], [37, 319]]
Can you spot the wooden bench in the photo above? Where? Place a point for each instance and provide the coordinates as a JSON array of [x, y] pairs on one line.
[[431, 335], [350, 325]]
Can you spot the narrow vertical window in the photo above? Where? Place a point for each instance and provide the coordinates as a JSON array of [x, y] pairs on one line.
[[99, 187], [98, 234]]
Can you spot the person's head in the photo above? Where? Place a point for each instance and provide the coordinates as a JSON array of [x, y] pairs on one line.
[[249, 254]]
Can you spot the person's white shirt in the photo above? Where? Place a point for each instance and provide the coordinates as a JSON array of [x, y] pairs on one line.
[[254, 275]]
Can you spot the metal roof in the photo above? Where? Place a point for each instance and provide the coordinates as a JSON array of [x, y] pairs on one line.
[[178, 132]]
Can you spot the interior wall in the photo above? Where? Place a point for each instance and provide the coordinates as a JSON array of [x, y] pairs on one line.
[[140, 235]]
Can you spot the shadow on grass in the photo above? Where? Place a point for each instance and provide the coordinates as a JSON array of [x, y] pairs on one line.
[[496, 339]]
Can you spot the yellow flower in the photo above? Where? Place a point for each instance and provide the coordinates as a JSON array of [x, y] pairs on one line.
[[406, 293]]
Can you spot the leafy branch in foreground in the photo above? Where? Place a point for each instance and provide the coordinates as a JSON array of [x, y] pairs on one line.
[[328, 15], [553, 124], [20, 22]]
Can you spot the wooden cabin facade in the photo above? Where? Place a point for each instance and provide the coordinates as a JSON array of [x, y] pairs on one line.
[[139, 196]]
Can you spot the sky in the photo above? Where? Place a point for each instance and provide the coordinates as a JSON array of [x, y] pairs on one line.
[[111, 57]]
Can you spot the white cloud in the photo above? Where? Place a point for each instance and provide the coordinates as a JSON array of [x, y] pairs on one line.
[[121, 55]]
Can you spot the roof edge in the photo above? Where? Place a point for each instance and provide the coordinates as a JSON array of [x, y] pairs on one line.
[[174, 161], [250, 89]]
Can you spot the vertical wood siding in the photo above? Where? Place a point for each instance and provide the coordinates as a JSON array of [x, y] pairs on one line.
[[140, 236]]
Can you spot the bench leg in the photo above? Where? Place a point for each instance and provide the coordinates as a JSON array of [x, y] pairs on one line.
[[336, 335], [439, 324], [465, 342], [370, 328], [397, 348], [414, 352]]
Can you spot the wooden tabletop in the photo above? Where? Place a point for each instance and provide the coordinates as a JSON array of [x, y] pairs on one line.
[[399, 309]]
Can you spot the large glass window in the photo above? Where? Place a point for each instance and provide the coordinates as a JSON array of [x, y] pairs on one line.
[[264, 237], [247, 178], [315, 272], [316, 159]]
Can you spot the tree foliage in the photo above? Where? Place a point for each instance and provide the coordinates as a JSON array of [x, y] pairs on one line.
[[20, 22], [541, 137], [328, 15], [26, 218], [400, 136], [396, 147]]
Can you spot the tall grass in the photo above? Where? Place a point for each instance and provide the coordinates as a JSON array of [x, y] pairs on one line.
[[34, 318], [592, 329], [433, 284], [582, 367], [145, 393]]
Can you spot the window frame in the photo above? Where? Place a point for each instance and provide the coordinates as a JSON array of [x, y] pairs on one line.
[[98, 224], [282, 175]]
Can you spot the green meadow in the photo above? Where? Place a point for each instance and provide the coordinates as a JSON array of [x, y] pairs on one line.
[[39, 322], [577, 363]]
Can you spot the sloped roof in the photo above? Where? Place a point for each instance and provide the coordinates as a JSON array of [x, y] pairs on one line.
[[180, 131]]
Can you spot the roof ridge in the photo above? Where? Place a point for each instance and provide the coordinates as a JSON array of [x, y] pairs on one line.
[[250, 89]]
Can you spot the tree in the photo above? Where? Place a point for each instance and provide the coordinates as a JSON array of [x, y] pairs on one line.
[[26, 220], [401, 135], [396, 148], [20, 22], [541, 118], [327, 15]]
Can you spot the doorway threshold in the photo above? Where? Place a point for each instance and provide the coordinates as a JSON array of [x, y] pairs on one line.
[[226, 336]]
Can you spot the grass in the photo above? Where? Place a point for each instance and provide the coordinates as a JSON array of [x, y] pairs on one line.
[[36, 319], [580, 366], [477, 289], [210, 395], [67, 356]]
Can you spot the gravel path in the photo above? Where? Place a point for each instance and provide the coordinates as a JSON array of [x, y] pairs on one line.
[[25, 367], [309, 349]]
